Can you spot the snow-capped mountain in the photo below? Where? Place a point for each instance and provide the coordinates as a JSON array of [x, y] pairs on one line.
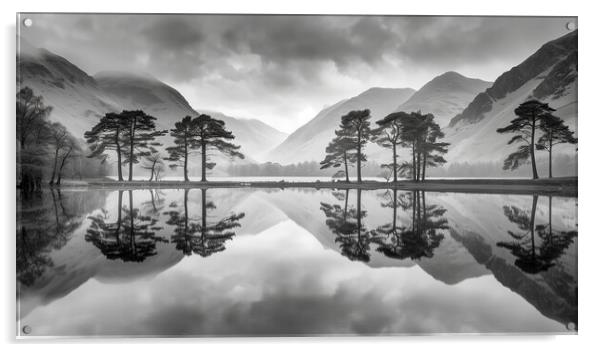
[[445, 96], [549, 75], [308, 142]]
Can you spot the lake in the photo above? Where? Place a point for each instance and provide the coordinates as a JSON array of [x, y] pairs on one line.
[[272, 262]]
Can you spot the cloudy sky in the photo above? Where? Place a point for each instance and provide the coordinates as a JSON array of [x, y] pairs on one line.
[[284, 69]]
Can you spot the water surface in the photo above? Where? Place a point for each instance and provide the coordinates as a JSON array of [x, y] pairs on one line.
[[294, 262]]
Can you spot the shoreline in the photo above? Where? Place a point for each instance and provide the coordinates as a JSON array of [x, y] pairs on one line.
[[555, 186]]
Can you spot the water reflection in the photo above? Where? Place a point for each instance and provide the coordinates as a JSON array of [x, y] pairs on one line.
[[417, 239], [194, 235], [531, 257], [45, 223], [431, 243], [131, 238]]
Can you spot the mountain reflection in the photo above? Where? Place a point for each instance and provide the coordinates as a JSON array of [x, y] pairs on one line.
[[520, 244], [532, 257], [194, 235], [131, 238]]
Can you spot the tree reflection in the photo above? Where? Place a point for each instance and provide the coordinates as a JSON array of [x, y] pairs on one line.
[[421, 237], [532, 257], [131, 238], [46, 222], [193, 235], [346, 223]]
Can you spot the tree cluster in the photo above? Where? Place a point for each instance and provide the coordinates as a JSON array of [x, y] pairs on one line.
[[415, 131], [535, 118], [45, 149]]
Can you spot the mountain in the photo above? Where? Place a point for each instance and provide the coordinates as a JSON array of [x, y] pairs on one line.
[[549, 75], [445, 96], [75, 96], [78, 99], [255, 137], [307, 143], [144, 92]]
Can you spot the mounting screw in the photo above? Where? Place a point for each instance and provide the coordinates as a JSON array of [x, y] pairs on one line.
[[26, 329], [571, 25], [28, 22]]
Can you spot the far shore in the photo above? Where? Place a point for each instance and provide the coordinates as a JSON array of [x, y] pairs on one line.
[[566, 186]]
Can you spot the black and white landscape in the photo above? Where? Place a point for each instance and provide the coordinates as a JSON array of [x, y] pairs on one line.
[[230, 175]]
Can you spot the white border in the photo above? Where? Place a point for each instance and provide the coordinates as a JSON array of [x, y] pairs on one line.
[[590, 117]]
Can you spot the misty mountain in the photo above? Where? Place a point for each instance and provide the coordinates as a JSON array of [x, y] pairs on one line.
[[445, 96], [255, 137], [79, 100], [308, 142], [550, 75]]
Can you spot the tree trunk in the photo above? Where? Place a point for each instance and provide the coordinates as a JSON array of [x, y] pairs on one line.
[[550, 158], [359, 216], [346, 167], [56, 160], [550, 218], [132, 233], [132, 131], [359, 162], [395, 211], [203, 162], [532, 224], [424, 167], [119, 173], [204, 212], [413, 161], [532, 149], [418, 166], [60, 173], [394, 162], [186, 214], [186, 157], [119, 206]]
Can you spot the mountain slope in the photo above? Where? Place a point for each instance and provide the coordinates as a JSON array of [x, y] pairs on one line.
[[78, 99], [550, 74], [307, 143], [255, 137], [445, 96]]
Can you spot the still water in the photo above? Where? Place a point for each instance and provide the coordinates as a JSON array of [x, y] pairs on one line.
[[232, 262]]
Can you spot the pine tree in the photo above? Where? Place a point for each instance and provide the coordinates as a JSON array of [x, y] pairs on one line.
[[389, 134], [212, 135], [107, 134], [338, 152], [140, 136], [356, 125], [524, 126], [186, 141], [554, 132]]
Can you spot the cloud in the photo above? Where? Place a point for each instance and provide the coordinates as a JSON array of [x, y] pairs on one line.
[[273, 67]]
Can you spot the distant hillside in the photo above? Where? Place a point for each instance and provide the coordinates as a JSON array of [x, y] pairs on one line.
[[445, 96], [79, 100], [550, 74], [255, 137], [307, 143]]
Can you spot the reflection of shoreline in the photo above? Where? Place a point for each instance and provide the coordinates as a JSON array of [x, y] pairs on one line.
[[566, 186]]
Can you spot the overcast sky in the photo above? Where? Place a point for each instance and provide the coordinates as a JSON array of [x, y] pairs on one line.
[[284, 69]]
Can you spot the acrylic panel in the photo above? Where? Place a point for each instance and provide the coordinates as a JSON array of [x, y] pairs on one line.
[[198, 175]]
